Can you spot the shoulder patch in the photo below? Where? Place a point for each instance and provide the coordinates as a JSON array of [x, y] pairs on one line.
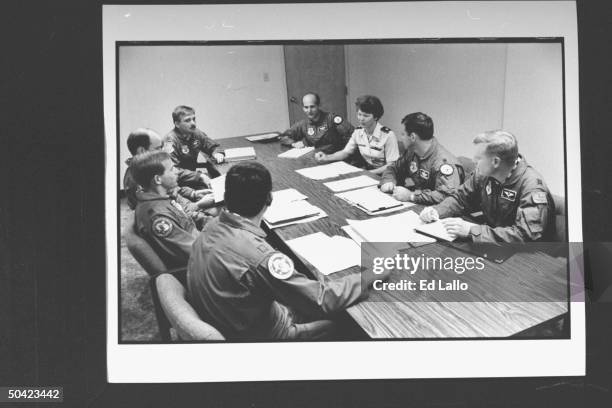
[[385, 129], [162, 227], [280, 266], [446, 169], [539, 197], [338, 119]]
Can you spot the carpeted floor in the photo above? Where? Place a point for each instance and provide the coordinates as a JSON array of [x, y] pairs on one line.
[[137, 316]]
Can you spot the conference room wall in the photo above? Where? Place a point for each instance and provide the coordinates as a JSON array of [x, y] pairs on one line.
[[468, 88], [225, 85]]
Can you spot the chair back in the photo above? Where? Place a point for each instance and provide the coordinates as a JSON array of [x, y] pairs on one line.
[[172, 310], [467, 167]]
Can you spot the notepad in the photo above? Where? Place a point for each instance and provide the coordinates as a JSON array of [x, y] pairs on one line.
[[262, 137], [218, 188], [292, 211], [286, 196], [239, 153], [296, 152], [394, 228], [437, 230], [372, 201], [328, 170], [351, 183], [327, 254]]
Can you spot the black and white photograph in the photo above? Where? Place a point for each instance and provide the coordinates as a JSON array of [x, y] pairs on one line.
[[340, 188]]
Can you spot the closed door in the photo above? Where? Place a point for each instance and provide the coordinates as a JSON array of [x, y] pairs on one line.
[[315, 68]]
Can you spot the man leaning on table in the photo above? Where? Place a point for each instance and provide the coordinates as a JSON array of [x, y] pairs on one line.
[[325, 131], [244, 287], [512, 195], [426, 173]]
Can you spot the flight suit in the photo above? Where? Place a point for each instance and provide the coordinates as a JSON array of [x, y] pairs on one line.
[[161, 221], [519, 210], [185, 150], [380, 149], [239, 284], [328, 134], [432, 177]]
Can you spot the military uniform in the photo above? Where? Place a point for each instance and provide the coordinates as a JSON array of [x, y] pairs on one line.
[[376, 151], [432, 177], [237, 282], [185, 150], [328, 134], [162, 222], [518, 210]]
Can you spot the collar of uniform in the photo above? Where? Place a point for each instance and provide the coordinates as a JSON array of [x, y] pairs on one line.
[[376, 133], [322, 116], [183, 137], [432, 148], [149, 196], [517, 172], [236, 221]]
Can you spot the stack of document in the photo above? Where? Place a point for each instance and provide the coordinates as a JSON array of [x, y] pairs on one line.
[[327, 254], [328, 170], [286, 196], [281, 214], [394, 228], [350, 183], [295, 153], [239, 153], [373, 201], [262, 137], [218, 188]]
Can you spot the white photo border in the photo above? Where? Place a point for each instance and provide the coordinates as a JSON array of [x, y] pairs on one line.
[[220, 362]]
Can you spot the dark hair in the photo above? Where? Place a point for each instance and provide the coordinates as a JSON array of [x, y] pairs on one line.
[[316, 95], [180, 111], [139, 138], [248, 187], [370, 104], [148, 165], [419, 123], [500, 143]]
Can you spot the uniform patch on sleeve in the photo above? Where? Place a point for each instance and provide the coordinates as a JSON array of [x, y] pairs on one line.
[[280, 266], [539, 198], [385, 129], [338, 119], [446, 169], [162, 227]]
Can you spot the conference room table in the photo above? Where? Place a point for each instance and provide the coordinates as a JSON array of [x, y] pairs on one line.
[[498, 304]]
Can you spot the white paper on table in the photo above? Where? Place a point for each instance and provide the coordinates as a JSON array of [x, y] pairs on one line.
[[437, 230], [372, 201], [322, 214], [327, 254], [287, 195], [394, 228], [239, 153], [218, 188], [351, 183], [327, 170], [295, 210], [353, 234], [296, 152]]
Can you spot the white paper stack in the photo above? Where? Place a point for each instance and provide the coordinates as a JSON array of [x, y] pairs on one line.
[[282, 214], [328, 170], [295, 153], [372, 201], [263, 137], [327, 254], [239, 153], [218, 188], [351, 183], [286, 196], [394, 228]]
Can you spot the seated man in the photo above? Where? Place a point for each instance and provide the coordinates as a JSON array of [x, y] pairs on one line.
[[237, 281], [376, 144], [158, 218], [198, 204], [426, 173], [513, 197], [325, 131], [187, 141]]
